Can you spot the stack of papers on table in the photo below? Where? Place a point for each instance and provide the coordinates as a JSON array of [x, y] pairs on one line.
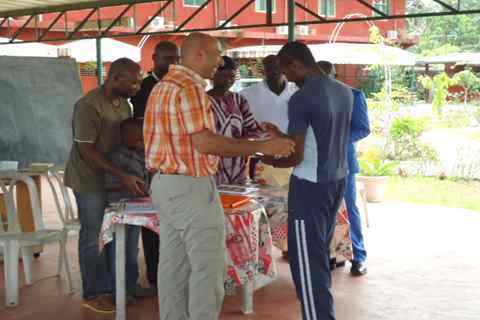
[[139, 206], [236, 189], [230, 201], [38, 167]]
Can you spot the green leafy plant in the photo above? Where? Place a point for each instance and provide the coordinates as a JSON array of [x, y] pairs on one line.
[[374, 164], [439, 86], [404, 142], [408, 126], [469, 81]]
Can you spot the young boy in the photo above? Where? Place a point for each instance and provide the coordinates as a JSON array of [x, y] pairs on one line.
[[130, 158]]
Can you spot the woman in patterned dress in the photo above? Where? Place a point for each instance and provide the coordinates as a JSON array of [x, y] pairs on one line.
[[233, 119]]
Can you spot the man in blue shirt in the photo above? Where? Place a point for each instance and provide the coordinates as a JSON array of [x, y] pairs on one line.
[[319, 121], [359, 129]]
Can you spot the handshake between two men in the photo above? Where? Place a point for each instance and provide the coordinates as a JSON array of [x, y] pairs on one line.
[[276, 150]]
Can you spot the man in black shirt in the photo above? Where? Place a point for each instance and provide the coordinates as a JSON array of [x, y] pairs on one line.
[[166, 53]]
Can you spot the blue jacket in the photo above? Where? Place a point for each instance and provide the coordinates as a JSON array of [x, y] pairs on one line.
[[359, 128]]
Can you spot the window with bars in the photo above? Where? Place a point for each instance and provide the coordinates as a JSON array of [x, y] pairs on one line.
[[261, 5], [383, 5], [193, 3], [327, 8]]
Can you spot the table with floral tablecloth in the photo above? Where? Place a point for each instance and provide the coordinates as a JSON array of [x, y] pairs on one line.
[[248, 241], [274, 200]]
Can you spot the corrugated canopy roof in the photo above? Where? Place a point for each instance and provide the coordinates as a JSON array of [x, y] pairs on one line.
[[15, 8], [340, 53], [463, 58]]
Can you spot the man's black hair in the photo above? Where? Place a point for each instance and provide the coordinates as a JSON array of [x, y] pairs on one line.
[[123, 66], [296, 51], [228, 64], [326, 66], [128, 124], [166, 45]]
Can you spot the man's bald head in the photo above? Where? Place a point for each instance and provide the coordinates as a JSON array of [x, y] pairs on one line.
[[201, 53]]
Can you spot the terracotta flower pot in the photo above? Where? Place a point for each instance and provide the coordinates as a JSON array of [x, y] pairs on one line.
[[375, 187]]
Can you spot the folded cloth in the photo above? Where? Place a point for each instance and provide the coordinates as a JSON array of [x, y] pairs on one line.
[[278, 177]]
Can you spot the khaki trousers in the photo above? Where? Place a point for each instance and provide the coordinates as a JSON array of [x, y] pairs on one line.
[[191, 268]]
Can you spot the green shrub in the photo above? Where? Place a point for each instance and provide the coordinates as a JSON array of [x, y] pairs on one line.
[[374, 164], [404, 142], [407, 126]]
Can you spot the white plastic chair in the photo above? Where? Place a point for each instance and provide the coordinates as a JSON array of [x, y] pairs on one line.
[[363, 196], [14, 239], [63, 203]]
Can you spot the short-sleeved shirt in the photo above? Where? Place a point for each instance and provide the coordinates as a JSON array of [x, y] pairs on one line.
[[267, 106], [95, 120], [139, 101], [177, 108], [233, 119], [130, 161], [321, 110]]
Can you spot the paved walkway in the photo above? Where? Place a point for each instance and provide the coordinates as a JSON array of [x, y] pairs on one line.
[[424, 264]]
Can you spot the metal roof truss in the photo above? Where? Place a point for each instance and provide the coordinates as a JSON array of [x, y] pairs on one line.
[[94, 7]]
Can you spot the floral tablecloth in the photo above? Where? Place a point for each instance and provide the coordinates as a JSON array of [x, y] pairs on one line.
[[248, 240], [274, 200]]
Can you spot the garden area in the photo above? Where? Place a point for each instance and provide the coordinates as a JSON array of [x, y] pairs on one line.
[[426, 123]]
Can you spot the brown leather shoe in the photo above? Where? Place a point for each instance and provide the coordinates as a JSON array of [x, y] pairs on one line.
[[102, 304]]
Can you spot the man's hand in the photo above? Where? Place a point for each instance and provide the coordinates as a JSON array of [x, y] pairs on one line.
[[272, 130], [135, 185], [278, 147]]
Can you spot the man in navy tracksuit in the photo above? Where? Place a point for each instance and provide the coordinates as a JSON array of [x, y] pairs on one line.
[[319, 122], [359, 129]]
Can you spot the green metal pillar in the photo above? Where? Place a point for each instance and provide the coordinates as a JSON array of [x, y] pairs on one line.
[[99, 61], [291, 20]]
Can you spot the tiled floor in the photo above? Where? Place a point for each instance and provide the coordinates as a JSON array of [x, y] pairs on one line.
[[424, 264]]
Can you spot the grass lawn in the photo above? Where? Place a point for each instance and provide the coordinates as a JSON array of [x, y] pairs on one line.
[[423, 190]]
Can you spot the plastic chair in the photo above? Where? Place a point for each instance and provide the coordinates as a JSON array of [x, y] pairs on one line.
[[64, 206], [63, 203], [14, 239], [363, 196]]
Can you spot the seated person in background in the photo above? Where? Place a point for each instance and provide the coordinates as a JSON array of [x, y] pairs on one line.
[[232, 119], [130, 158]]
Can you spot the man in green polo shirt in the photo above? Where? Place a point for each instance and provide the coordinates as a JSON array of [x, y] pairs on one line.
[[96, 133]]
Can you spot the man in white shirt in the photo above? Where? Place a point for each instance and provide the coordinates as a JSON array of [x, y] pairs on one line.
[[268, 100]]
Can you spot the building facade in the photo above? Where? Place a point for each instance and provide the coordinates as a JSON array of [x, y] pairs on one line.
[[218, 11]]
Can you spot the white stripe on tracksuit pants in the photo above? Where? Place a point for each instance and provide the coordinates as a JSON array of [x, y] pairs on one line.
[[312, 215]]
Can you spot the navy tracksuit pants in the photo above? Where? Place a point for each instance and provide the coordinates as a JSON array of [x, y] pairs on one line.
[[312, 209]]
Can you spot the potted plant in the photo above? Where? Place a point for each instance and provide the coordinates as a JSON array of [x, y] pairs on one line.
[[374, 173]]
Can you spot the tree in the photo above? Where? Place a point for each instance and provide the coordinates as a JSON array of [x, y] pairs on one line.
[[439, 86], [460, 31], [469, 81]]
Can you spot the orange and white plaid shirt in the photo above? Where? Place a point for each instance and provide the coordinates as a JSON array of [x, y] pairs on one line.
[[178, 107]]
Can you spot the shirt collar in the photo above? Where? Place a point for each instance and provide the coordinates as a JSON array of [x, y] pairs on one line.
[[154, 75], [267, 88], [195, 77]]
